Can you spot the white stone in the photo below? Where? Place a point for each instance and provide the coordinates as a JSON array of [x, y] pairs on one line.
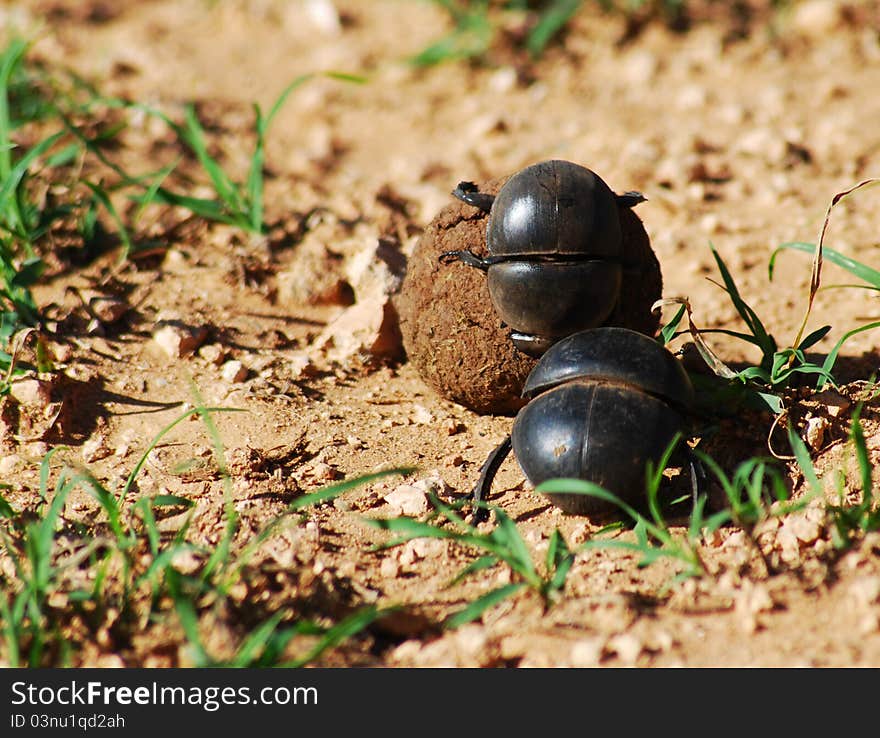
[[816, 17], [176, 339], [407, 499], [31, 391], [234, 371]]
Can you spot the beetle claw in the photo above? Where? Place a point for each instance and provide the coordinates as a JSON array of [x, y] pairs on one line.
[[467, 257], [469, 193], [630, 199], [534, 346]]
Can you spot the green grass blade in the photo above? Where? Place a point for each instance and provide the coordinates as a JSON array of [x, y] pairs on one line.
[[819, 255], [581, 487], [748, 337], [850, 286], [802, 456], [322, 495], [64, 157], [189, 621], [255, 175], [831, 359], [145, 508], [643, 547], [28, 273], [550, 23], [105, 499], [160, 435], [506, 535], [654, 477], [764, 341], [555, 549], [334, 490], [856, 268], [11, 181], [470, 38], [559, 560], [814, 338], [355, 79], [409, 528], [825, 375], [476, 608], [170, 501], [10, 633], [723, 479], [773, 402], [6, 510], [697, 522], [10, 59], [162, 563], [45, 468], [226, 189], [668, 331], [96, 150], [101, 194], [150, 195], [484, 562], [282, 98], [256, 642], [857, 434], [343, 630], [202, 207], [41, 539]]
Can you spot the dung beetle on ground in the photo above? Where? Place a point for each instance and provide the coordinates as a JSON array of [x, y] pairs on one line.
[[555, 251], [602, 403]]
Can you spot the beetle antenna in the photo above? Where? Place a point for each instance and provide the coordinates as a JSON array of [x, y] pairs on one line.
[[487, 475], [468, 192]]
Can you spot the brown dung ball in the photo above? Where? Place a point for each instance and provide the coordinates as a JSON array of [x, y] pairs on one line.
[[451, 332]]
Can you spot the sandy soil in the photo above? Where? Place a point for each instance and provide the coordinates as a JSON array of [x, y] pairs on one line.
[[738, 140]]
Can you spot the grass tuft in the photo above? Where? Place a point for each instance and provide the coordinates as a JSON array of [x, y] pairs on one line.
[[133, 569], [502, 546], [476, 25]]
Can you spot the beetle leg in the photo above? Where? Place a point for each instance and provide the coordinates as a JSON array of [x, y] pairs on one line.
[[630, 199], [487, 475], [468, 257], [530, 345], [468, 192]]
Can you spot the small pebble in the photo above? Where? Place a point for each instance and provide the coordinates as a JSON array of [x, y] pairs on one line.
[[408, 499], [234, 371], [177, 339], [212, 353], [31, 391]]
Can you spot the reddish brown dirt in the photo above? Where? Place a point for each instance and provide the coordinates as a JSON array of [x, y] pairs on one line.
[[737, 141]]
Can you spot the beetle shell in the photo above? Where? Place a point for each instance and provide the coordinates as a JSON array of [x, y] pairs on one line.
[[552, 299], [555, 228], [615, 355], [601, 433], [555, 208], [605, 403]]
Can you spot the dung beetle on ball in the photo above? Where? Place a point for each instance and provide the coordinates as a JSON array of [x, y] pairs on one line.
[[555, 251], [602, 404]]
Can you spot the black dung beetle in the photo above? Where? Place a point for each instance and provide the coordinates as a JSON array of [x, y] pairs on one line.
[[555, 251], [602, 403]]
